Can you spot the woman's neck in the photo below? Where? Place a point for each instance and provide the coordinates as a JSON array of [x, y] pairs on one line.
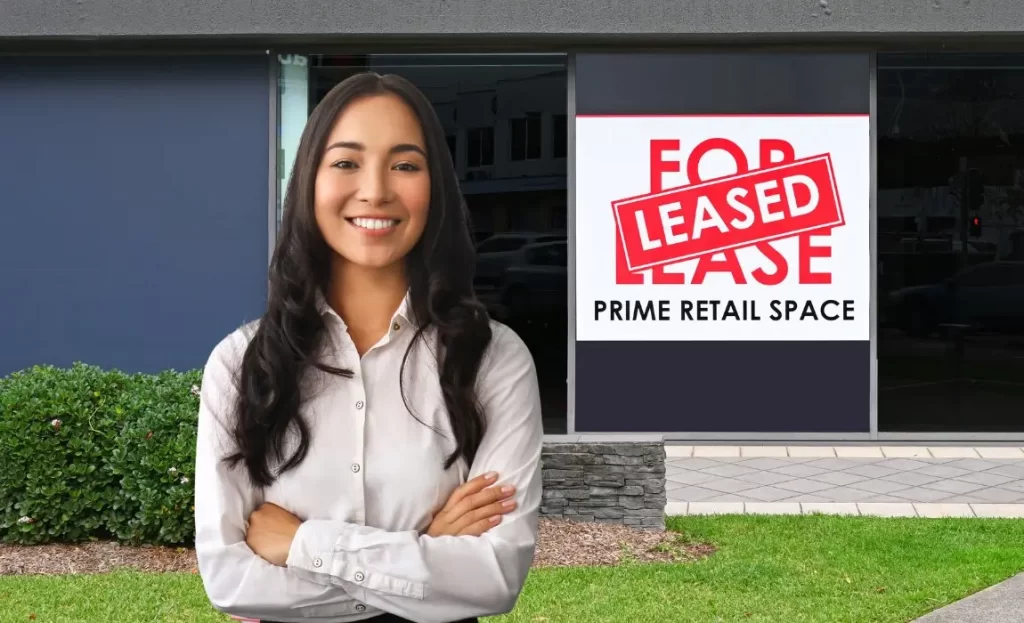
[[366, 299]]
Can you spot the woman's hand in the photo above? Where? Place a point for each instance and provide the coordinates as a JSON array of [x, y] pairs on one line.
[[271, 532], [473, 508]]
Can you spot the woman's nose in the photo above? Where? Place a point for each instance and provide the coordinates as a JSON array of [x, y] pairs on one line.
[[373, 187]]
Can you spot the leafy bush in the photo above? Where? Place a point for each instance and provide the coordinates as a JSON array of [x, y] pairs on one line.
[[154, 458], [88, 453]]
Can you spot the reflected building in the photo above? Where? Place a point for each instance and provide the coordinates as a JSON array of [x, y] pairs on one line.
[[950, 240]]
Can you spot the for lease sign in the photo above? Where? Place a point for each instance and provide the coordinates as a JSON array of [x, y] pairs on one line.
[[722, 227]]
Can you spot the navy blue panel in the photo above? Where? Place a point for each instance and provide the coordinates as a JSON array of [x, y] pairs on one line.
[[743, 387], [722, 83], [133, 208]]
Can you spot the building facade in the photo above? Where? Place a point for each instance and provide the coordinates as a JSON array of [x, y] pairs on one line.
[[869, 287]]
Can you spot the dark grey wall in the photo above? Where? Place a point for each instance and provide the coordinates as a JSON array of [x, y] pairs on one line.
[[133, 208], [792, 18]]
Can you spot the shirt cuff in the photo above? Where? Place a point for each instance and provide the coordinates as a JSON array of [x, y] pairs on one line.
[[358, 558], [312, 550]]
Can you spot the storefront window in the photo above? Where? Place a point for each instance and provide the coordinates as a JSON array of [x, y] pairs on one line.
[[500, 114], [293, 110], [950, 242]]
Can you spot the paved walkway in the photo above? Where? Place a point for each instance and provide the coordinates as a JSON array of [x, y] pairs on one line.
[[1002, 603], [910, 481]]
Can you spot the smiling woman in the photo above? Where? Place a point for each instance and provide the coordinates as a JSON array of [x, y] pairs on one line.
[[373, 190], [374, 177], [371, 446]]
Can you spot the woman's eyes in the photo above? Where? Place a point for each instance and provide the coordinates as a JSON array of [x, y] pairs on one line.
[[401, 166]]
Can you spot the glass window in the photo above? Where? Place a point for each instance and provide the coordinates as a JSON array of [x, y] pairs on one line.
[[495, 109], [525, 138], [453, 143], [550, 254], [950, 250], [480, 147], [501, 244], [560, 140], [293, 110]]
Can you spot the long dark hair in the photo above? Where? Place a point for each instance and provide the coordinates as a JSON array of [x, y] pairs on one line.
[[287, 341]]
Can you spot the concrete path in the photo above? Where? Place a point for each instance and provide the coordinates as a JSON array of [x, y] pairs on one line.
[[1002, 603], [911, 481]]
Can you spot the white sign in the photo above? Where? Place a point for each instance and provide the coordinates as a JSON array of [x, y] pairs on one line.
[[722, 227]]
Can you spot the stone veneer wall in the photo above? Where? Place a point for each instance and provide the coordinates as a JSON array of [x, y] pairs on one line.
[[618, 482]]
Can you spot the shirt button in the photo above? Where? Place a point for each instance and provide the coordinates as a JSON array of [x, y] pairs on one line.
[[359, 576], [355, 468], [396, 327], [317, 563], [360, 607], [359, 405]]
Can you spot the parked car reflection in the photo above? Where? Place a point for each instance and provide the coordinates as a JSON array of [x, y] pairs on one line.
[[531, 296], [534, 287], [496, 253], [985, 297]]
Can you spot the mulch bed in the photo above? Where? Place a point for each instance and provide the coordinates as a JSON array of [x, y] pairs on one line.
[[560, 543]]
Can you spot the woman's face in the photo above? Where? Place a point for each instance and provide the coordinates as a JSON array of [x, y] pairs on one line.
[[373, 185]]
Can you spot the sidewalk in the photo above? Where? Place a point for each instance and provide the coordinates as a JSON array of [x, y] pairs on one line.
[[1002, 603], [892, 481]]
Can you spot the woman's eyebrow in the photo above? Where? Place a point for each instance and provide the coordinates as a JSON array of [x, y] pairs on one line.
[[397, 149]]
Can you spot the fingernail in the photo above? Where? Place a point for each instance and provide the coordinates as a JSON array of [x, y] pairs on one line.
[[507, 489], [491, 475], [508, 503], [496, 519]]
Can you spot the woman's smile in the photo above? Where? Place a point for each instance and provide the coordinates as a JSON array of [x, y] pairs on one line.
[[374, 226]]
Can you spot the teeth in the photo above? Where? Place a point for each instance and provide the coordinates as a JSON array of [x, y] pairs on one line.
[[374, 223]]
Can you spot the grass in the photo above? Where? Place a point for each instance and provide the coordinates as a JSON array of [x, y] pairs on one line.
[[767, 569]]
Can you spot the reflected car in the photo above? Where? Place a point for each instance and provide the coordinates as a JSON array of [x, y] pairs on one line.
[[535, 286], [988, 297], [496, 253]]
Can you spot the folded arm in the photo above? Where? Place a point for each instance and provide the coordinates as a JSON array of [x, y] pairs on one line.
[[236, 580], [439, 579]]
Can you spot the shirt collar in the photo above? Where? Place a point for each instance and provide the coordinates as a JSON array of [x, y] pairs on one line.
[[404, 313]]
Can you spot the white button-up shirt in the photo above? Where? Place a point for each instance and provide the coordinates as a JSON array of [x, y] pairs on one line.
[[368, 486]]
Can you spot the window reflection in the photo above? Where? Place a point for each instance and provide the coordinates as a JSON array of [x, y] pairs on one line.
[[292, 112], [951, 243], [506, 127]]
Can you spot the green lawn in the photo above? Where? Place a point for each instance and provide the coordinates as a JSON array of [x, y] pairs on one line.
[[778, 569]]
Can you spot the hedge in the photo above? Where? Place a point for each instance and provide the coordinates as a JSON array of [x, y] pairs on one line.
[[87, 453]]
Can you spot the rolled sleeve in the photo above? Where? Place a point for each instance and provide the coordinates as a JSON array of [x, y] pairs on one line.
[[439, 579]]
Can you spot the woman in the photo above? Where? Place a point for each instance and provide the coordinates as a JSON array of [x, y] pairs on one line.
[[370, 448]]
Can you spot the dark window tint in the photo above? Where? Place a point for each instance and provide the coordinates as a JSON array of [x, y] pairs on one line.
[[950, 253], [525, 137], [553, 238], [548, 255], [480, 147], [452, 147], [501, 245], [560, 136]]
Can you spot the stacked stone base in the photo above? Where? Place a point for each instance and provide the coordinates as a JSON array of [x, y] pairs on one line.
[[620, 483]]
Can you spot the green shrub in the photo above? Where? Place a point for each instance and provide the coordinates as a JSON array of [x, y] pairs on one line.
[[88, 453], [155, 459], [57, 429]]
